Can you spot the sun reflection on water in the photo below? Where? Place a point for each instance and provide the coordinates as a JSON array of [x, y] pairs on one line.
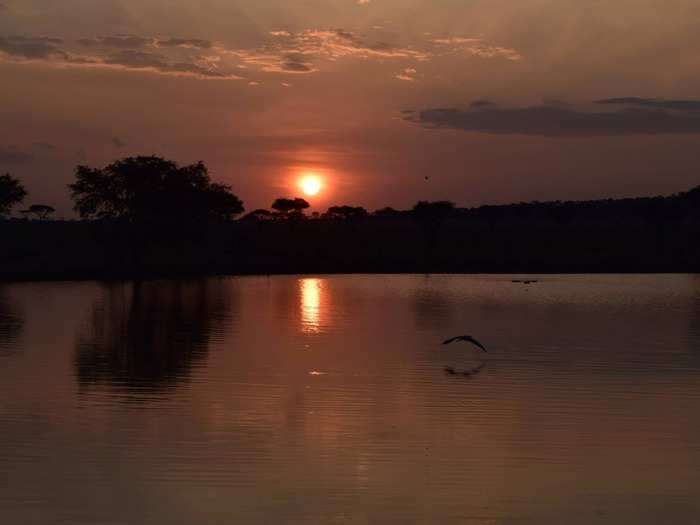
[[311, 290]]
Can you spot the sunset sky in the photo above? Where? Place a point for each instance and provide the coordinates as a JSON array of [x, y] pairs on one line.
[[495, 100]]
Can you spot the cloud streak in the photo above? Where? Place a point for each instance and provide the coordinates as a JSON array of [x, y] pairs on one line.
[[686, 105], [32, 47], [477, 47], [407, 75], [284, 52], [633, 116], [302, 52], [117, 41], [171, 56]]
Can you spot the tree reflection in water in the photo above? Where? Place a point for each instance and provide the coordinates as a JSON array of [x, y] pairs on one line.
[[11, 323], [150, 335]]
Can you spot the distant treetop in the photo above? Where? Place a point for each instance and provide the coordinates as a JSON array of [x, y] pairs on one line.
[[387, 212], [425, 210], [345, 212], [258, 215]]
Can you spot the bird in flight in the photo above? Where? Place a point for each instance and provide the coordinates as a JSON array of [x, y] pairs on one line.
[[466, 338]]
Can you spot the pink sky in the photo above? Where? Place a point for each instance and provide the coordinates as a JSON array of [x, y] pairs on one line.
[[265, 90]]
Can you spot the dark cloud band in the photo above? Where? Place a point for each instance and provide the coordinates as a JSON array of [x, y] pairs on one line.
[[633, 117], [31, 47], [11, 155], [177, 56], [686, 105]]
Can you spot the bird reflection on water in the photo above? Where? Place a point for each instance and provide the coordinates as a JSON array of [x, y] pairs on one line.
[[451, 371]]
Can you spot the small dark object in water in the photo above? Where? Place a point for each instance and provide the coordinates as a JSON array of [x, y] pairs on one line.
[[465, 338], [467, 373], [477, 369]]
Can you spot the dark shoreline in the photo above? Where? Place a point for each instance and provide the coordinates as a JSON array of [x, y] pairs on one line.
[[195, 276], [76, 250]]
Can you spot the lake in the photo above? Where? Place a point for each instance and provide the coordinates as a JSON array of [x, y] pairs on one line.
[[324, 400]]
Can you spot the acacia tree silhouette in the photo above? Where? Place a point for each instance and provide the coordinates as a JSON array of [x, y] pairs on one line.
[[290, 208], [41, 211], [141, 189], [11, 193]]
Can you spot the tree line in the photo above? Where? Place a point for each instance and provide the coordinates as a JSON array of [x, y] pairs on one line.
[[155, 190], [151, 188]]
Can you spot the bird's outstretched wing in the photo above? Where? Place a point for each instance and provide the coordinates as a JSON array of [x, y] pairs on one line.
[[470, 339], [466, 338]]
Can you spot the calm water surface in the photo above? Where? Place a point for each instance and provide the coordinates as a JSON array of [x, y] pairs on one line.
[[324, 400]]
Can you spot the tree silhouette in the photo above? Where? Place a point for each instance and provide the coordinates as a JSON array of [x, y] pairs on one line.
[[11, 193], [345, 212], [41, 211], [290, 208], [433, 211], [147, 188], [387, 212], [258, 215]]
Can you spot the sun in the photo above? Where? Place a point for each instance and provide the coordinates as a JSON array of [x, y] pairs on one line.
[[310, 184]]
